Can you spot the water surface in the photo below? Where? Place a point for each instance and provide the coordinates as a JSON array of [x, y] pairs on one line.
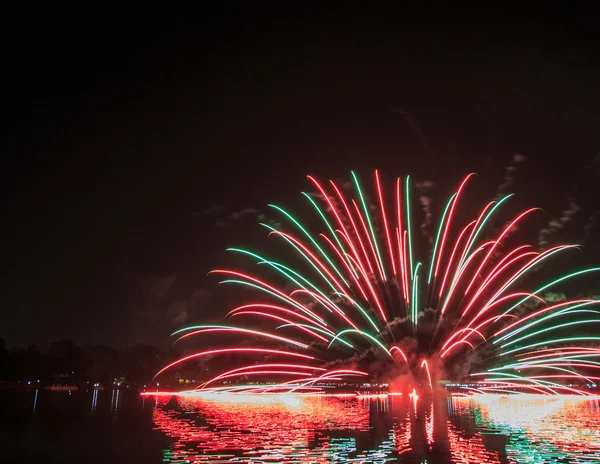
[[120, 426]]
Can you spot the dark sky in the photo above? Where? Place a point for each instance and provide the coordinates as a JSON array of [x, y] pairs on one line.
[[136, 149]]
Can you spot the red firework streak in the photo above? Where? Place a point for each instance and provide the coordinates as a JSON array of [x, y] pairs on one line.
[[354, 290]]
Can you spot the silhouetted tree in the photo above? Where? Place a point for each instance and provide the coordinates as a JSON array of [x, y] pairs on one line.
[[3, 360], [67, 362]]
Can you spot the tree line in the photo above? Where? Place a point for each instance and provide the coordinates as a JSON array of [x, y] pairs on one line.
[[65, 361]]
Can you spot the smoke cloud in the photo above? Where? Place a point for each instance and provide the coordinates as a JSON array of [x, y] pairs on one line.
[[425, 201], [557, 224], [509, 174], [590, 228], [224, 218]]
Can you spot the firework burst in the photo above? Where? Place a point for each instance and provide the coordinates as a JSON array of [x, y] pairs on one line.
[[359, 302]]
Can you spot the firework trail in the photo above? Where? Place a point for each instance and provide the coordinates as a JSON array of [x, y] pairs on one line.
[[359, 293]]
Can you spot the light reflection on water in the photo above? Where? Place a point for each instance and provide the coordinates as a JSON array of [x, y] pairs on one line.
[[559, 426], [119, 426], [480, 430]]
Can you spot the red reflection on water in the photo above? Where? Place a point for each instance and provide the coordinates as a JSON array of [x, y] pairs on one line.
[[374, 428], [469, 449], [583, 433], [285, 427], [402, 435]]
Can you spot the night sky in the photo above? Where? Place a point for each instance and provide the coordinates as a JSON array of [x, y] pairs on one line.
[[136, 150]]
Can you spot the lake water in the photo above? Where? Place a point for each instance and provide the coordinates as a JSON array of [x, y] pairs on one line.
[[124, 427]]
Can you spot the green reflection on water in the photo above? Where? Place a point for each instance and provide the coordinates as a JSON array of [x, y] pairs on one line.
[[534, 427]]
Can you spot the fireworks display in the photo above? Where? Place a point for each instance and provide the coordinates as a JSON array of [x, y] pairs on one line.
[[358, 301]]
